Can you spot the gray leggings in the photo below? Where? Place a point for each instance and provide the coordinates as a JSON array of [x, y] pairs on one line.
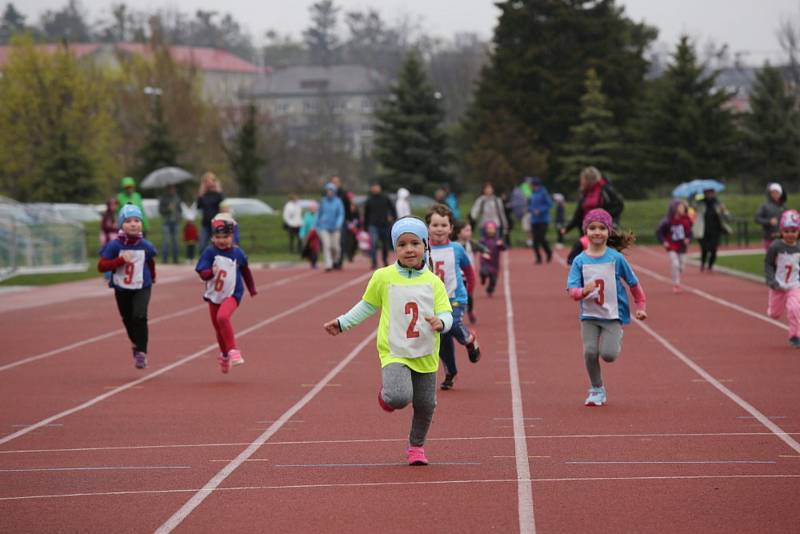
[[402, 386], [601, 339]]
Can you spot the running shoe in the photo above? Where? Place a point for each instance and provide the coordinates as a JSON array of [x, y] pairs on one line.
[[224, 363], [473, 349], [416, 456], [794, 341], [472, 318], [139, 359], [385, 407], [597, 397], [448, 381], [236, 357]]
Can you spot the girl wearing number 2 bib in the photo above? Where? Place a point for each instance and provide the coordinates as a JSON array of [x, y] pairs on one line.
[[223, 266], [781, 265], [130, 260], [595, 280], [414, 311]]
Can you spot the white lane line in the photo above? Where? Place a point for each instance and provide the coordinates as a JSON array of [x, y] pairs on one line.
[[388, 464], [113, 333], [27, 424], [105, 468], [357, 485], [527, 524], [178, 517], [668, 462], [760, 417], [712, 298], [186, 359]]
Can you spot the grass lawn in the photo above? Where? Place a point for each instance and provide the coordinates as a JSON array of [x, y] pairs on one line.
[[748, 263], [47, 279]]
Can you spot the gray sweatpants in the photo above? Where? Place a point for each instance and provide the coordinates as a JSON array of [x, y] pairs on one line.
[[601, 339], [402, 386]]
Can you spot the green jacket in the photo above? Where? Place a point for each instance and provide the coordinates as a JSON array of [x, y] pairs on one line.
[[136, 199]]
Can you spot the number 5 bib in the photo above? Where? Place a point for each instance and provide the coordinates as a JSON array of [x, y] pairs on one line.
[[602, 302], [786, 270], [131, 275], [444, 266], [410, 335], [222, 285]]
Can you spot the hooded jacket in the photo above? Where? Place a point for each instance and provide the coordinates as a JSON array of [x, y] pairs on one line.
[[771, 210]]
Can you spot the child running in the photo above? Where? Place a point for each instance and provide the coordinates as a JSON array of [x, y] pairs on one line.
[[224, 268], [781, 266], [675, 233], [130, 259], [414, 310], [490, 261], [595, 279], [462, 233], [449, 261]]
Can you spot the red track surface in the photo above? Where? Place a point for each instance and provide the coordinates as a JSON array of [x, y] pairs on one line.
[[670, 452]]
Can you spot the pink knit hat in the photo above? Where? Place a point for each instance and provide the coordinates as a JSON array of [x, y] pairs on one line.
[[790, 220], [597, 215]]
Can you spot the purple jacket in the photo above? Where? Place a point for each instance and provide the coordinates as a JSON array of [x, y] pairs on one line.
[[494, 246]]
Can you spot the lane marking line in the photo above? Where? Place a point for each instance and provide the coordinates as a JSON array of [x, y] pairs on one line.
[[667, 462], [113, 333], [178, 517], [389, 464], [186, 359], [746, 406], [108, 468], [414, 483], [527, 524]]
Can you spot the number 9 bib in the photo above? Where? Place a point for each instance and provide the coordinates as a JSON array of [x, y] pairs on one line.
[[130, 275], [410, 335], [602, 302], [223, 284]]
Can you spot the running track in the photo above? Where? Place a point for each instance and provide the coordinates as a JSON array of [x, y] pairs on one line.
[[701, 433]]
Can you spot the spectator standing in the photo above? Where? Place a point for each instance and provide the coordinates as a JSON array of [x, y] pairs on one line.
[[711, 222], [769, 214], [595, 192], [129, 195], [345, 237], [292, 221], [209, 197], [379, 214], [539, 205], [489, 207], [402, 206], [330, 218], [169, 207]]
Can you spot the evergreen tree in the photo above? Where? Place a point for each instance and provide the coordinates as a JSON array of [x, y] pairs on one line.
[[158, 150], [12, 22], [321, 39], [684, 132], [772, 129], [244, 158], [595, 141], [410, 143]]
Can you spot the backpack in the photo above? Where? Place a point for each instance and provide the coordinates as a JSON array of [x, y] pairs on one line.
[[613, 202]]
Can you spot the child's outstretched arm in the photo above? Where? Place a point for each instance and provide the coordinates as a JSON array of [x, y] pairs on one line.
[[247, 275], [441, 322], [357, 315], [641, 301]]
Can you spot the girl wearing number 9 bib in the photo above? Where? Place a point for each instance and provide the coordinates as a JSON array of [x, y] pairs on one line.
[[781, 265], [130, 260], [224, 268], [414, 310], [595, 280]]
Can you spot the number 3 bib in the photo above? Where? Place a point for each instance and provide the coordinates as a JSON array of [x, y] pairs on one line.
[[602, 302], [410, 335], [222, 285], [130, 275]]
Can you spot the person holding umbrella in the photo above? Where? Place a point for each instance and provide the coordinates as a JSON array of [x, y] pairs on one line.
[[209, 197], [711, 222], [169, 207], [129, 195]]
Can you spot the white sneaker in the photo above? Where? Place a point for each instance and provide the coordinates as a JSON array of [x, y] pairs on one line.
[[236, 357], [597, 396]]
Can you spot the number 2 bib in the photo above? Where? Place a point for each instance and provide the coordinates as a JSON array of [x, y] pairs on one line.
[[786, 268], [130, 275], [444, 266], [602, 302], [222, 285], [410, 335]]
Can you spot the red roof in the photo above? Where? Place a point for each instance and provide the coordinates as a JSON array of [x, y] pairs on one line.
[[205, 59]]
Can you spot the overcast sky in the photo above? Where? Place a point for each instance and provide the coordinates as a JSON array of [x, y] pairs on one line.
[[747, 26]]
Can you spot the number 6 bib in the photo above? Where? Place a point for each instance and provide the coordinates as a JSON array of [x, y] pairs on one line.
[[410, 335], [222, 285], [131, 275], [602, 302]]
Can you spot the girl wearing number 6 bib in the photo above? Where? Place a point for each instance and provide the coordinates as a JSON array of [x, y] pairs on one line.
[[130, 260], [781, 265], [414, 310], [224, 268], [595, 280]]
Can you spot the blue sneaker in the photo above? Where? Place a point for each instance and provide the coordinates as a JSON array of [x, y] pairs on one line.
[[794, 341], [597, 396]]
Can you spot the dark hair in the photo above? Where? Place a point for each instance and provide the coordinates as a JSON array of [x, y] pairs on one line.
[[620, 239], [440, 210], [457, 227]]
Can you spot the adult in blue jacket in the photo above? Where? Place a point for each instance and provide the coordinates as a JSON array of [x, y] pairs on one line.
[[539, 205], [330, 218]]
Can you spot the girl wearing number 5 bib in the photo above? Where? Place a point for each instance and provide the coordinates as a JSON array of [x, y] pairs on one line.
[[595, 280], [224, 268], [414, 311], [781, 265], [130, 260]]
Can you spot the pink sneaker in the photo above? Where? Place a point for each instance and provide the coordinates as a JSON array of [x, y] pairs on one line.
[[677, 288], [224, 363], [384, 406], [236, 357], [416, 456]]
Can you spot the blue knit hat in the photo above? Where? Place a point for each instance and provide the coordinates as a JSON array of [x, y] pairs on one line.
[[409, 225], [128, 211]]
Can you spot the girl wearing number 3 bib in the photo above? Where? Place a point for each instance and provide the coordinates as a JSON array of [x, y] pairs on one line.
[[781, 265], [130, 260], [224, 268], [595, 280], [414, 311]]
